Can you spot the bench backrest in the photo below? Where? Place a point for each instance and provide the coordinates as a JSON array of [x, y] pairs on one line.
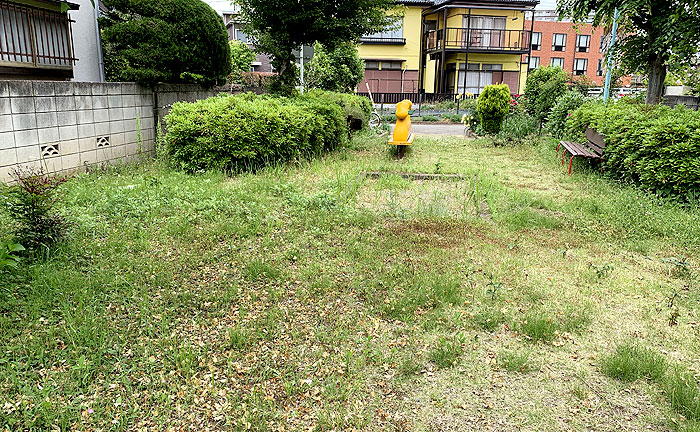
[[596, 141]]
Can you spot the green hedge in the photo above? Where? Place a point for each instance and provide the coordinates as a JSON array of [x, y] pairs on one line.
[[234, 132], [354, 106], [562, 109], [657, 146]]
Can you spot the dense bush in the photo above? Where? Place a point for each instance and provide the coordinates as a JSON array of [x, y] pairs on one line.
[[565, 105], [545, 85], [654, 145], [31, 204], [493, 106], [340, 69], [516, 129], [231, 133], [164, 41], [354, 106]]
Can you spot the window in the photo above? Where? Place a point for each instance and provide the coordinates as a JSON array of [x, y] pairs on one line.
[[583, 43], [599, 69], [602, 43], [391, 65], [559, 42], [477, 78], [35, 37], [241, 36], [557, 61], [371, 64], [580, 66], [534, 63], [486, 31], [536, 41], [393, 35]]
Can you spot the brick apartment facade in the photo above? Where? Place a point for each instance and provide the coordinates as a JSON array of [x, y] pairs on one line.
[[578, 48]]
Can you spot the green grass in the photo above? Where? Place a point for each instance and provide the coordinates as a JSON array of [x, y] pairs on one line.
[[515, 360], [446, 352], [630, 362], [682, 391], [305, 296]]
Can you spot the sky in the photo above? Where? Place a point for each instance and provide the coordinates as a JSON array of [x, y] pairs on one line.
[[220, 5]]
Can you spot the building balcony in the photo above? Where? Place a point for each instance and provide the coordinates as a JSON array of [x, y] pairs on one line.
[[478, 40], [369, 40]]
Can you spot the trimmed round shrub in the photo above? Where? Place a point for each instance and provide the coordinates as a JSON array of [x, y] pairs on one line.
[[493, 106], [169, 41], [654, 145], [240, 132], [565, 105], [544, 86]]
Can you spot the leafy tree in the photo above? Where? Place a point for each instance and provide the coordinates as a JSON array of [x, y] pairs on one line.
[[340, 70], [653, 35], [543, 87], [242, 59], [281, 26], [174, 41], [493, 106]]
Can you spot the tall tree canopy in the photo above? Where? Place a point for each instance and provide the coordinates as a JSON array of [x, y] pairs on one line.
[[340, 70], [281, 26], [654, 35], [173, 41]]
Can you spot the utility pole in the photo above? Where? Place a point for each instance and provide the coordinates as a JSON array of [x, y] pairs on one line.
[[301, 57], [608, 72]]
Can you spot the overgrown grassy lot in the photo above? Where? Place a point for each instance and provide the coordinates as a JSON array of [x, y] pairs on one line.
[[307, 297]]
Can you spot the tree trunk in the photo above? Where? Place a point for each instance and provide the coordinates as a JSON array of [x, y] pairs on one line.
[[657, 76]]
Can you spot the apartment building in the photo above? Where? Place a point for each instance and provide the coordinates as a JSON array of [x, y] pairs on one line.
[[578, 48], [450, 47]]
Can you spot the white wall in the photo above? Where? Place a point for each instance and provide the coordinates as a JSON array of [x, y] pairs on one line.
[[87, 43]]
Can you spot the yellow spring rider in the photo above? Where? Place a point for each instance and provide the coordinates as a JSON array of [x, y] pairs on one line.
[[402, 132]]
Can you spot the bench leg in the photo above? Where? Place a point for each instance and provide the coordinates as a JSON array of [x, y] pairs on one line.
[[570, 162], [558, 148], [563, 156]]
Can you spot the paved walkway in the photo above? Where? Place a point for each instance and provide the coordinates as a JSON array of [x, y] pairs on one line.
[[436, 129]]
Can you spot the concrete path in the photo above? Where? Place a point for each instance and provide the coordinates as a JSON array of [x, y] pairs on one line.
[[436, 129]]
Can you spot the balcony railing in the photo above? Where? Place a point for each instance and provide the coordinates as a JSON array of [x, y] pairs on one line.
[[382, 40], [477, 39]]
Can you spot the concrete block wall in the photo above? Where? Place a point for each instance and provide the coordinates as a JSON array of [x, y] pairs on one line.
[[68, 126]]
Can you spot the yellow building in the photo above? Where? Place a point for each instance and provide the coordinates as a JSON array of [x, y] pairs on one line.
[[426, 51]]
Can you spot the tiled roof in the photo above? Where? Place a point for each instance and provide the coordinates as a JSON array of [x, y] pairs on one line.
[[441, 2]]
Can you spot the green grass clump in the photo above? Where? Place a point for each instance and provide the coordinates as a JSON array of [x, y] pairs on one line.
[[515, 360], [682, 391], [631, 362], [430, 118], [488, 318], [424, 293], [539, 327], [446, 352]]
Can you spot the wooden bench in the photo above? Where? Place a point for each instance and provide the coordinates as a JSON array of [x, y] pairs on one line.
[[593, 149]]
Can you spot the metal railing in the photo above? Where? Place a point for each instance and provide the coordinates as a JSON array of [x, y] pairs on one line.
[[392, 98], [35, 37], [477, 39], [382, 40]]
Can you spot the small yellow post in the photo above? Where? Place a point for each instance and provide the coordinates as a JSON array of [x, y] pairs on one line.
[[402, 132]]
